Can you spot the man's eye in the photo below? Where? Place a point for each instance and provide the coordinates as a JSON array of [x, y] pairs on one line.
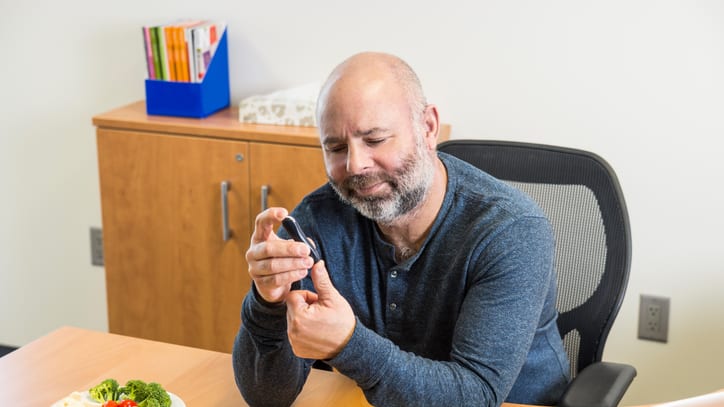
[[335, 148], [375, 141]]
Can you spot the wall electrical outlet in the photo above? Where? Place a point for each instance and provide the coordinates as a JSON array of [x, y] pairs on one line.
[[654, 318], [96, 240]]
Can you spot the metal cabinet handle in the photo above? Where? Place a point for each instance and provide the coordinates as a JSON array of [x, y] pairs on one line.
[[225, 231], [264, 197]]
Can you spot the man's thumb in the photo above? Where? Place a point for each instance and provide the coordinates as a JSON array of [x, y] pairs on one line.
[[322, 283]]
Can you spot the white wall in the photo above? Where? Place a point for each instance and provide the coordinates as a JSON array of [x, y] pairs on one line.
[[638, 82]]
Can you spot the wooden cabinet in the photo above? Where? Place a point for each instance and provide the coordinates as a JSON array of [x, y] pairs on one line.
[[170, 275]]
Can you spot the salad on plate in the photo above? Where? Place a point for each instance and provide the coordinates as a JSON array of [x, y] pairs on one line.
[[108, 393]]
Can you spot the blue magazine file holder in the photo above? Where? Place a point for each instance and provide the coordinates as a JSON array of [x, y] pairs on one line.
[[186, 99]]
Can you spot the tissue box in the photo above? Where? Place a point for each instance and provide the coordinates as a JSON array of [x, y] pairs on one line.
[[290, 107], [189, 99]]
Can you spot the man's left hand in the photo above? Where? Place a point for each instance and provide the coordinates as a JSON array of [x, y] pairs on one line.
[[319, 325]]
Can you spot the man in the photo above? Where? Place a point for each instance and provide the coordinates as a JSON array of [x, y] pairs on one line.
[[437, 284]]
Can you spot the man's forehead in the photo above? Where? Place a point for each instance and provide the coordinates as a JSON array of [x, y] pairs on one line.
[[358, 115], [334, 136]]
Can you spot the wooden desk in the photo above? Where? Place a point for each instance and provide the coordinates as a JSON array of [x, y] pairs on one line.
[[713, 399], [72, 359]]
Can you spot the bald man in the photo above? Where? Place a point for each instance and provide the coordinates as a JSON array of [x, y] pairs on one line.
[[437, 285]]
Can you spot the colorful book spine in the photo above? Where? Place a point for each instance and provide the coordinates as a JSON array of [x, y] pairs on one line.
[[162, 54], [180, 50], [148, 47], [188, 40], [156, 55], [171, 53]]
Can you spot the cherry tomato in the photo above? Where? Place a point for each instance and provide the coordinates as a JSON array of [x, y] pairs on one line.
[[127, 403], [110, 404]]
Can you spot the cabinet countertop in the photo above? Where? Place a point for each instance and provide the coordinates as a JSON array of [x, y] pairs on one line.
[[222, 124]]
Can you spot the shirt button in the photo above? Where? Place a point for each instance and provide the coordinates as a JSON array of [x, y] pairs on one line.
[[393, 274], [393, 306]]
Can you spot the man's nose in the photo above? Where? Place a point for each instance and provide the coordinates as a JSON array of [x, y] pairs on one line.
[[358, 159]]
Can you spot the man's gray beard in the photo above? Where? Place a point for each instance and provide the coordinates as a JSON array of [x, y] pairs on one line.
[[410, 185]]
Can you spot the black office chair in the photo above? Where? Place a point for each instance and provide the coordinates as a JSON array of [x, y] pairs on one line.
[[580, 194]]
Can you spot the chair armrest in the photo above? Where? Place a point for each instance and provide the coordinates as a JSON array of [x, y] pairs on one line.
[[600, 384]]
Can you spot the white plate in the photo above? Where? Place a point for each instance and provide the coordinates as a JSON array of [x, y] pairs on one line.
[[84, 399]]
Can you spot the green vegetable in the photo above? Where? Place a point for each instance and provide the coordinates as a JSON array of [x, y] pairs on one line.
[[134, 390], [106, 390], [149, 402], [155, 392], [145, 394]]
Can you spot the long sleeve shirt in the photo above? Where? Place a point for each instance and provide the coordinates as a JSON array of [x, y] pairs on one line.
[[470, 319]]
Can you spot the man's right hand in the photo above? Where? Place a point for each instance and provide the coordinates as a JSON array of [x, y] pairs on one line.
[[275, 263]]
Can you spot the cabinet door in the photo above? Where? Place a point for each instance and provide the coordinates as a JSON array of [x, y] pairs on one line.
[[288, 172], [170, 276]]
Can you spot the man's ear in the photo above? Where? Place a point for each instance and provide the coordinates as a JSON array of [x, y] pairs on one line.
[[431, 120]]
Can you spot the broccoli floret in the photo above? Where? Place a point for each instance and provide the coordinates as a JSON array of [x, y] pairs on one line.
[[155, 391], [134, 390], [149, 402], [106, 390]]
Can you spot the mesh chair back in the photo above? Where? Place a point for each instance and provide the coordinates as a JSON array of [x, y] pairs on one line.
[[580, 194]]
